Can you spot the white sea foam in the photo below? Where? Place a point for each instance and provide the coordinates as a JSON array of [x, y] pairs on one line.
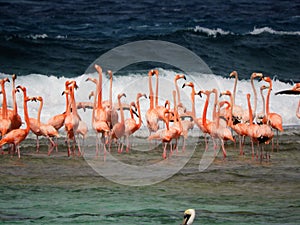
[[214, 32], [257, 31], [211, 32], [51, 88]]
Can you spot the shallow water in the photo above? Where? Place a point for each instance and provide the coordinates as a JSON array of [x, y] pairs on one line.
[[237, 190]]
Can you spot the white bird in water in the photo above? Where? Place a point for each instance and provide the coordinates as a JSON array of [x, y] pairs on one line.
[[189, 216]]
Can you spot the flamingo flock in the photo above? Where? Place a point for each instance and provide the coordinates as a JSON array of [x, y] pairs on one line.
[[165, 123]]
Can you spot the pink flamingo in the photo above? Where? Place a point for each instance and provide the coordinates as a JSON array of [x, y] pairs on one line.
[[5, 122], [16, 136], [239, 128], [131, 125], [161, 110], [118, 130], [72, 118], [166, 135], [42, 129], [112, 115], [151, 114], [16, 121], [273, 119], [181, 107]]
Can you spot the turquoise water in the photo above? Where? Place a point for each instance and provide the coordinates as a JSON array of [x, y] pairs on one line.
[[56, 189]]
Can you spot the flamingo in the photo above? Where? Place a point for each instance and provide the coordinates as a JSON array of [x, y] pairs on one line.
[[100, 127], [261, 117], [118, 129], [166, 135], [42, 129], [181, 107], [237, 110], [72, 118], [16, 121], [130, 124], [112, 115], [16, 136], [223, 133], [151, 114], [5, 122], [239, 128], [161, 110], [273, 119], [177, 125], [258, 133], [58, 121], [201, 122], [82, 131]]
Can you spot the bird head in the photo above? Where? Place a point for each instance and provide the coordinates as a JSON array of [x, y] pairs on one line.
[[188, 217]]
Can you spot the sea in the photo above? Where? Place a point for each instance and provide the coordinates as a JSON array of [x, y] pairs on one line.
[[46, 43]]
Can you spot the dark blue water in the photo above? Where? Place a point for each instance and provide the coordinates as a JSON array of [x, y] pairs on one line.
[[63, 38]]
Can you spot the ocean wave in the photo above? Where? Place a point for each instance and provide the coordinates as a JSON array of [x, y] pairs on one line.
[[211, 32], [257, 31], [36, 36], [214, 32]]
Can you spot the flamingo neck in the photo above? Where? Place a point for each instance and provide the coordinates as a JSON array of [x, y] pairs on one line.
[[121, 110], [254, 94], [215, 106], [205, 111], [231, 110], [193, 102], [27, 129], [151, 93], [156, 92], [263, 101], [234, 88], [139, 112], [15, 108], [250, 110], [110, 91], [177, 90], [99, 90], [39, 112], [4, 101], [73, 102], [268, 98]]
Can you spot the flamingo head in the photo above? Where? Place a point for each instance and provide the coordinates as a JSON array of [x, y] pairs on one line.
[[98, 68], [233, 74], [179, 76], [267, 79], [225, 93], [248, 96], [254, 75], [153, 72], [22, 88], [121, 95], [191, 84], [14, 76], [91, 94], [263, 87], [6, 80], [132, 104], [110, 73], [35, 98], [139, 95]]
